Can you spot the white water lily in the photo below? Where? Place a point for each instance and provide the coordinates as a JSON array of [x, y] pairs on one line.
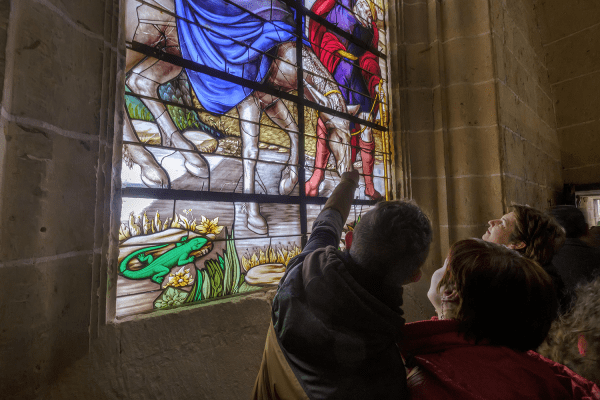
[[180, 278]]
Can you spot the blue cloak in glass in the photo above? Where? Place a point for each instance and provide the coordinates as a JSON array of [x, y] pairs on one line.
[[231, 39]]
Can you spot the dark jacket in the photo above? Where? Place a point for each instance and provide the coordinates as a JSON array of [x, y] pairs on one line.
[[576, 262], [563, 296], [338, 340], [446, 366]]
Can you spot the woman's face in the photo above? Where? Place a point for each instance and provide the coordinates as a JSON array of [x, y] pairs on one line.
[[445, 301], [499, 230]]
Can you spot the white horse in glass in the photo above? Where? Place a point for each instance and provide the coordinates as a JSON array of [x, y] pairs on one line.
[[147, 24]]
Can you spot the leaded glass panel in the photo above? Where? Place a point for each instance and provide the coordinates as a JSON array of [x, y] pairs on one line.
[[240, 115]]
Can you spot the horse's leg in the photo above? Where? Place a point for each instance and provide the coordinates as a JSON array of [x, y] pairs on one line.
[[145, 79], [367, 148], [250, 112], [279, 114], [148, 24], [322, 153], [152, 173], [340, 147]]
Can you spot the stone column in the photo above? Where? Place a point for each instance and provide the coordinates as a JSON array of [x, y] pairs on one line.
[[57, 127], [450, 121], [477, 120], [530, 151], [571, 49]]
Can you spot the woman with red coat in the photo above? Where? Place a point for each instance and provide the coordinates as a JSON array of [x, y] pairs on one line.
[[494, 306]]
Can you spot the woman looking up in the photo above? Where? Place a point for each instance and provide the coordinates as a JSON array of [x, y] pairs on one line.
[[535, 235], [531, 232], [494, 307]]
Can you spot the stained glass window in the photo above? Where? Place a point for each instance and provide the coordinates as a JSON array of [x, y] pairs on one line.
[[231, 147]]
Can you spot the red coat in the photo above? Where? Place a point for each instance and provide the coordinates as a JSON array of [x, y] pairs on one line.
[[446, 366]]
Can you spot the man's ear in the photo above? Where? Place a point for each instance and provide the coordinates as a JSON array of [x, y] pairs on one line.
[[449, 294], [516, 246]]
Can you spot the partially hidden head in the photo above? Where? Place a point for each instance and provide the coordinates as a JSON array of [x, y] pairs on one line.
[[502, 298], [531, 232], [391, 242], [571, 219], [574, 338]]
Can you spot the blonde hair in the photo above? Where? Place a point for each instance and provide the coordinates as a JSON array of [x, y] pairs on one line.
[[373, 10], [574, 338]]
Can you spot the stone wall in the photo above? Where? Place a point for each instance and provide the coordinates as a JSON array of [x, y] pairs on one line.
[[412, 94], [58, 187], [478, 124], [450, 121], [211, 351], [4, 14], [529, 143], [571, 43], [49, 119]]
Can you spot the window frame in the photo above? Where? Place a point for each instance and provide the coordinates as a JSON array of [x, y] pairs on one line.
[[301, 199]]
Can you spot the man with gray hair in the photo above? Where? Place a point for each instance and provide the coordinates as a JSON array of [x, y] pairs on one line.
[[336, 316]]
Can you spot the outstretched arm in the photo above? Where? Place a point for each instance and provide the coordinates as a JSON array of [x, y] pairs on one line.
[[342, 196], [327, 228]]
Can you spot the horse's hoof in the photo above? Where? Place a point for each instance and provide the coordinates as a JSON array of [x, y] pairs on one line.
[[258, 224], [288, 182], [201, 171], [154, 177]]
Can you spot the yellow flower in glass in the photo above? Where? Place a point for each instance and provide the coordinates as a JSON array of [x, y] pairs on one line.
[[207, 226], [180, 278]]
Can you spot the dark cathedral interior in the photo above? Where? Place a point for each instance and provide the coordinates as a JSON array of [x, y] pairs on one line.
[[299, 199]]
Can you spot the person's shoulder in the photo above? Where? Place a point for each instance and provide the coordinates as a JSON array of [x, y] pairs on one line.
[[578, 242], [322, 258], [575, 248]]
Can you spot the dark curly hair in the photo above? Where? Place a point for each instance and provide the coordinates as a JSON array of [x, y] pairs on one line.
[[392, 240], [505, 299], [540, 232]]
